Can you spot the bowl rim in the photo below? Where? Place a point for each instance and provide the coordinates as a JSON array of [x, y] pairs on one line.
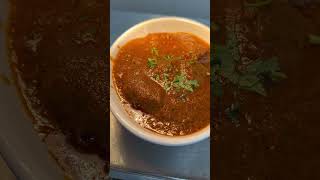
[[141, 132]]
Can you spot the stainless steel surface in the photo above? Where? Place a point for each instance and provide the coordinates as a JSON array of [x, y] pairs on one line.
[[5, 172], [131, 152], [124, 174]]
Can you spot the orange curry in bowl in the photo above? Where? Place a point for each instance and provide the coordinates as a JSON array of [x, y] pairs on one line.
[[163, 80]]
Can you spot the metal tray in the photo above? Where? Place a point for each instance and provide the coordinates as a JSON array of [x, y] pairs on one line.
[[133, 158]]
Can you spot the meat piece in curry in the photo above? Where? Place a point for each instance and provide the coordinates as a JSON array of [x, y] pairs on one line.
[[166, 76]]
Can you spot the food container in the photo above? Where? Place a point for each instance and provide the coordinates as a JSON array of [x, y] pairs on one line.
[[131, 156], [156, 25]]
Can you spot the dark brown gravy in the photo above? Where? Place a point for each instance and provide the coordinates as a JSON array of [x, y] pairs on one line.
[[144, 74], [279, 136], [58, 55]]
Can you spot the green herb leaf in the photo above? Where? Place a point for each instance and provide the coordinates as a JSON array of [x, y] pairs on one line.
[[252, 84], [156, 77], [167, 86], [252, 78], [277, 76], [194, 83], [192, 62], [152, 63], [314, 39], [269, 68], [227, 68], [154, 51], [168, 57], [165, 76], [226, 62], [181, 81]]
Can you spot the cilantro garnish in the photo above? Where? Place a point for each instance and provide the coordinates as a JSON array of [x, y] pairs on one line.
[[156, 77], [192, 62], [167, 86], [154, 51], [314, 39], [253, 77], [181, 81], [168, 57], [165, 76], [152, 63]]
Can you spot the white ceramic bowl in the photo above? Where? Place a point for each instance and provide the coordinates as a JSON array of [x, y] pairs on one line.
[[165, 24]]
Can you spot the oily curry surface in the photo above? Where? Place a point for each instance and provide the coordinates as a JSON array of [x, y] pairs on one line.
[[165, 80]]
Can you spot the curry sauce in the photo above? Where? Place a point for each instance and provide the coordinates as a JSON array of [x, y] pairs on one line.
[[165, 79], [58, 57], [276, 135]]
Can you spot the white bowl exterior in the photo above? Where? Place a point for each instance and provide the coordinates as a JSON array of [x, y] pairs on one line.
[[165, 24]]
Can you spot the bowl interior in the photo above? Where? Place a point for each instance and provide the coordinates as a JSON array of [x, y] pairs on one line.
[[166, 24]]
